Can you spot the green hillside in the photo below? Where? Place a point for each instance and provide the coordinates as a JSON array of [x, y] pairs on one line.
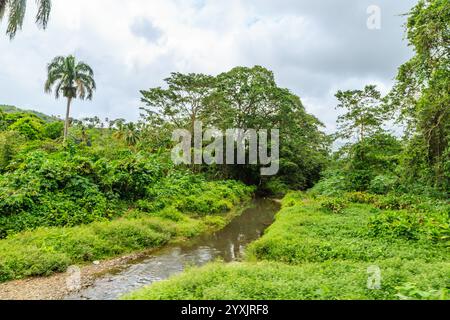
[[13, 109]]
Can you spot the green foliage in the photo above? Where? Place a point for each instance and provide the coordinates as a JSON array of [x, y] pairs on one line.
[[364, 114], [14, 110], [411, 225], [30, 127], [308, 254], [17, 14], [333, 183], [334, 205], [68, 188], [245, 98], [383, 184], [43, 251], [50, 250], [421, 95], [369, 165], [303, 232], [409, 291], [3, 123], [10, 142], [360, 197], [53, 130], [341, 280], [276, 187]]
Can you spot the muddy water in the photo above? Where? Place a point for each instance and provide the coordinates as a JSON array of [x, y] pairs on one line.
[[227, 245]]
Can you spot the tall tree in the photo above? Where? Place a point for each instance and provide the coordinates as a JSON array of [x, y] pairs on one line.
[[16, 13], [249, 98], [182, 102], [422, 94], [365, 113], [72, 80]]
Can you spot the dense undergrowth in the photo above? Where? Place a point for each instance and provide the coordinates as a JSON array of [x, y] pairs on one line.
[[45, 250], [323, 248], [66, 205]]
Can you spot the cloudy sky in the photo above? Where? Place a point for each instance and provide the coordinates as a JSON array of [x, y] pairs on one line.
[[314, 47]]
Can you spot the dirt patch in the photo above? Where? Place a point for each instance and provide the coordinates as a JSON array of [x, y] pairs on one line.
[[55, 286]]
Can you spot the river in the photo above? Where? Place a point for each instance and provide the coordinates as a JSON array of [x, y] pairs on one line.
[[227, 244]]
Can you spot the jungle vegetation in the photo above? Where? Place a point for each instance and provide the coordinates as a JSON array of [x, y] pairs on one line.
[[80, 190]]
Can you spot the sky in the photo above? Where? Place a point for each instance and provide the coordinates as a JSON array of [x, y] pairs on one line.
[[314, 48]]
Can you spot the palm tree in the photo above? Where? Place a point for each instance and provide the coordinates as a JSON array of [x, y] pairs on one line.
[[16, 14], [132, 136], [71, 79]]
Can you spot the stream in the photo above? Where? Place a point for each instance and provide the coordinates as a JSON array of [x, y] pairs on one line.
[[227, 244]]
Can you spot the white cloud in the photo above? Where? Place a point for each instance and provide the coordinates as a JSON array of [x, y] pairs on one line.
[[314, 48]]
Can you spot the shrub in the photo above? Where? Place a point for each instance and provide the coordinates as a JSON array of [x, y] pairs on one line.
[[333, 184], [335, 205], [30, 127], [9, 143], [410, 291], [276, 187], [383, 184], [360, 197], [410, 225], [53, 130], [394, 202], [292, 198]]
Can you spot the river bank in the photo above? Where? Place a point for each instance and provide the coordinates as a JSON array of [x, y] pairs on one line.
[[313, 251], [54, 287]]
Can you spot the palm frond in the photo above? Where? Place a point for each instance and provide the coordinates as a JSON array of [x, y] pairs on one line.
[[75, 79], [3, 5], [17, 9], [43, 14]]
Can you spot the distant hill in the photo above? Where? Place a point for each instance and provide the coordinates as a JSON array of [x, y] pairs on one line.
[[43, 116]]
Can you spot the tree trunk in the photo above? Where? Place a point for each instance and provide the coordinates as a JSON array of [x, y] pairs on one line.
[[66, 123]]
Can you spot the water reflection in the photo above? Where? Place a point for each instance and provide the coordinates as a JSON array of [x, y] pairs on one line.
[[228, 245]]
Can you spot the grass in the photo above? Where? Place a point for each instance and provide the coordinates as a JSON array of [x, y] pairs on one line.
[[274, 281], [312, 253], [44, 251]]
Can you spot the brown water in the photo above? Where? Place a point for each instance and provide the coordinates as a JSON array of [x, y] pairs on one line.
[[227, 244]]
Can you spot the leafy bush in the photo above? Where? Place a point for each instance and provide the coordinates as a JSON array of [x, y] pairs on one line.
[[411, 225], [383, 184], [9, 145], [53, 130], [30, 127], [335, 205], [292, 198], [276, 187], [410, 291], [332, 184], [360, 197]]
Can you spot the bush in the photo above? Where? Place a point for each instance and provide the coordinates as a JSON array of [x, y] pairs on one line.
[[383, 184], [276, 187], [410, 291], [333, 184], [53, 130], [30, 127], [410, 225], [335, 205], [360, 197], [394, 202], [9, 144], [292, 198]]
